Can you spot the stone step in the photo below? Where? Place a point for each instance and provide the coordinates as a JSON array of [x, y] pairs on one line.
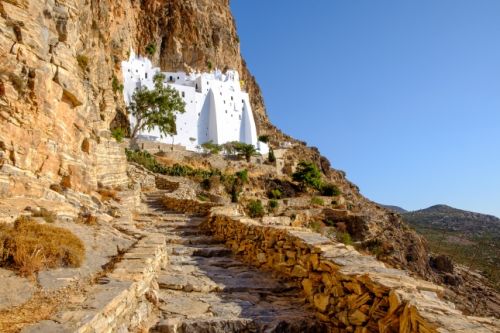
[[199, 251], [210, 325], [193, 240], [233, 312]]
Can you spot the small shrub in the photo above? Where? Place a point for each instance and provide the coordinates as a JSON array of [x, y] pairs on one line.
[[116, 85], [242, 175], [202, 197], [47, 215], [308, 174], [118, 133], [255, 208], [108, 194], [275, 194], [271, 157], [317, 201], [151, 49], [18, 83], [86, 218], [273, 205], [330, 190], [83, 61], [29, 247], [211, 148], [344, 237], [209, 65], [264, 138], [56, 188], [315, 226]]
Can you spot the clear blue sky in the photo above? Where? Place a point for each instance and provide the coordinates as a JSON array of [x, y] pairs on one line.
[[403, 95]]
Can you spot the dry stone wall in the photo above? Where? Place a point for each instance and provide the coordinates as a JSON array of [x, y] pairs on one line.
[[351, 291]]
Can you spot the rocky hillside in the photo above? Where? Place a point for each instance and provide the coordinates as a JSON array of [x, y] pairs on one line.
[[442, 217], [60, 95], [467, 237]]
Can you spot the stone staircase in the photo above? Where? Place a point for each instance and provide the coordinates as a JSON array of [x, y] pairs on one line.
[[205, 289]]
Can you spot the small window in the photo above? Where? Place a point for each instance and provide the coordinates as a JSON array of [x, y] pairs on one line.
[[232, 98], [146, 75], [183, 94]]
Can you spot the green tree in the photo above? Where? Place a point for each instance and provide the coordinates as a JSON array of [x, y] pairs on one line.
[[244, 149], [271, 157], [211, 148], [308, 174], [156, 108]]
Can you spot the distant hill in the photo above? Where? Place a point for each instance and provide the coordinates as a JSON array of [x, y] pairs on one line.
[[395, 209], [444, 217], [469, 238]]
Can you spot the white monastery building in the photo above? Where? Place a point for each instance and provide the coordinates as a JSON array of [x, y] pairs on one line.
[[217, 110]]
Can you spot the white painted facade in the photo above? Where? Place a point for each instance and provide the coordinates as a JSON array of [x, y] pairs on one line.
[[217, 109]]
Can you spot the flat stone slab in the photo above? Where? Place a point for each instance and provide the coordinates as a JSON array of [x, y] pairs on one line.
[[14, 290]]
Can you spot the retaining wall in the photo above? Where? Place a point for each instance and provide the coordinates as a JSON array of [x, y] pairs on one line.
[[351, 291]]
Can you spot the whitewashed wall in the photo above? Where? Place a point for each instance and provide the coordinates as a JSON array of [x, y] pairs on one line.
[[217, 109]]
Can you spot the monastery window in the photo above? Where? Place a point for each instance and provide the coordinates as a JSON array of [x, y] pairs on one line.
[[177, 78], [232, 98], [171, 78], [184, 95], [146, 75]]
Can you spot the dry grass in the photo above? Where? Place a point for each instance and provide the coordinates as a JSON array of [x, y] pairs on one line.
[[108, 194], [29, 247], [47, 215], [87, 219], [42, 306]]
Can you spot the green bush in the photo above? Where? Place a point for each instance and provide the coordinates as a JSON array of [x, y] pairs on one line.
[[317, 201], [344, 237], [264, 138], [116, 85], [83, 61], [273, 204], [243, 176], [211, 148], [151, 49], [271, 157], [209, 65], [202, 197], [118, 133], [275, 194], [330, 190], [308, 174], [255, 208]]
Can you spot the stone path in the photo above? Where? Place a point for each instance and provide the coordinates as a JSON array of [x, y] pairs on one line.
[[205, 289]]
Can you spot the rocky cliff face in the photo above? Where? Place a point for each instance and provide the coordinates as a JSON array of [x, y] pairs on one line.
[[60, 76], [60, 94]]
